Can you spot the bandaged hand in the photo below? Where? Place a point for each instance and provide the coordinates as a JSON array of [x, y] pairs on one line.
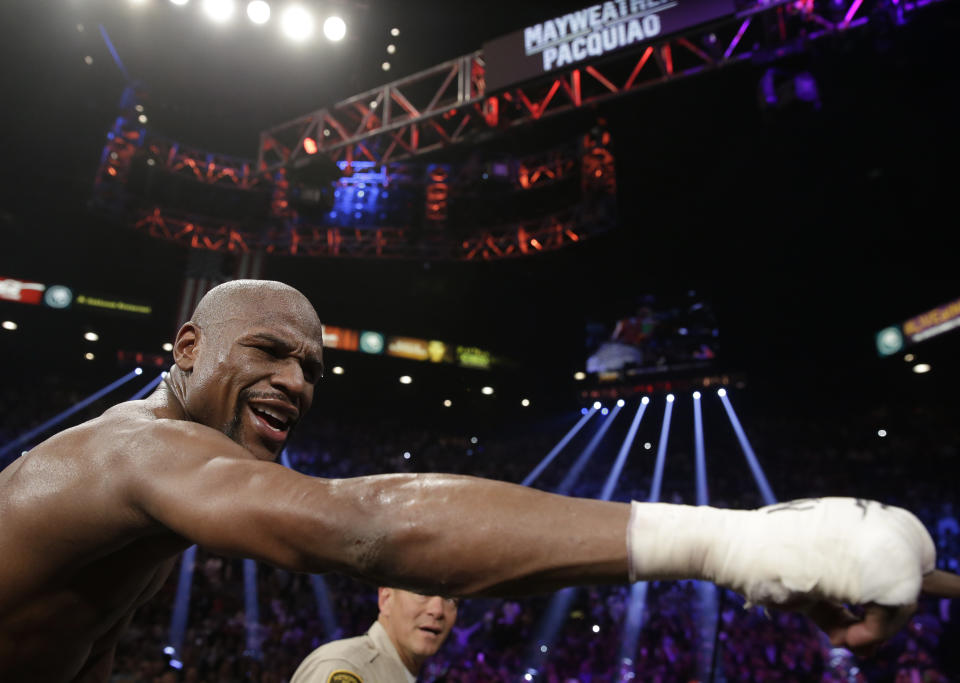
[[812, 554]]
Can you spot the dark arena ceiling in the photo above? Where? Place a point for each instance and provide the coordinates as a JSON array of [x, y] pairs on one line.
[[808, 230]]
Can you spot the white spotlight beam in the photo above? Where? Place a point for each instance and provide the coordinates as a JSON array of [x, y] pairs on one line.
[[765, 491], [621, 460], [530, 478]]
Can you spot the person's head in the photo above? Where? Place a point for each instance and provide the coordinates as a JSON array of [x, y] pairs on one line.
[[417, 624], [247, 362]]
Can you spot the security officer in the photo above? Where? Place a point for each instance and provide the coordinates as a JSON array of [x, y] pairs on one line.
[[410, 628]]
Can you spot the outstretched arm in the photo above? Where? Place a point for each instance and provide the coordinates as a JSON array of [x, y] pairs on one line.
[[440, 533]]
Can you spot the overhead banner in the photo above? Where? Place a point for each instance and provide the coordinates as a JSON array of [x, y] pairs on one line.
[[942, 319], [591, 33]]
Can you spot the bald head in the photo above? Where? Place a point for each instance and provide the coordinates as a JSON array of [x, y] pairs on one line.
[[247, 362], [246, 299]]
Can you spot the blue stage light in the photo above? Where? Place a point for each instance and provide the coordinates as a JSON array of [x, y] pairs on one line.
[[696, 396], [604, 411]]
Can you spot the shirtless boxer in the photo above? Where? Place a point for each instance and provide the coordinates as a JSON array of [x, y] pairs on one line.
[[92, 520]]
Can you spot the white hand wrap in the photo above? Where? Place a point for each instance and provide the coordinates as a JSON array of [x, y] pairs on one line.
[[838, 549]]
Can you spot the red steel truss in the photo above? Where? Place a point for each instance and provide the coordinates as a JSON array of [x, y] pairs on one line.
[[449, 103], [520, 239]]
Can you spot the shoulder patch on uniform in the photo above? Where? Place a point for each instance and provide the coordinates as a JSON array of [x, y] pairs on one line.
[[343, 676]]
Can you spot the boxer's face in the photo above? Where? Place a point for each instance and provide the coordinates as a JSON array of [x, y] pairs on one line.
[[254, 373], [417, 624]]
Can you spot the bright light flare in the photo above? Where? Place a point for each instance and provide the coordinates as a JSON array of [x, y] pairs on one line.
[[447, 403], [168, 347], [337, 370], [670, 398], [406, 379], [89, 356], [334, 28], [91, 336], [258, 12], [525, 402], [881, 433], [621, 403], [579, 376], [696, 396], [8, 325], [219, 11], [138, 372], [310, 146], [597, 405], [645, 400], [296, 23], [921, 368], [721, 392], [487, 391]]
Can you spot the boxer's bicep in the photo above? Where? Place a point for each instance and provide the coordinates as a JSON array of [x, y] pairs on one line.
[[202, 486]]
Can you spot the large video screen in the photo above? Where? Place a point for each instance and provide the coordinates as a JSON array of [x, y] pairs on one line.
[[657, 335]]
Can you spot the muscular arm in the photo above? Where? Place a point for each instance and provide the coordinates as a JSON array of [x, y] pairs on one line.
[[443, 534]]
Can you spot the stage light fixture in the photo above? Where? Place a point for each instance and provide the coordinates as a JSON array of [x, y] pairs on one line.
[[621, 403], [647, 446], [721, 392], [88, 356], [138, 371], [921, 368], [487, 391], [219, 11], [696, 396], [334, 28], [881, 433], [406, 379], [670, 398], [584, 411], [8, 325], [597, 405], [909, 358], [88, 60], [394, 32], [391, 49], [91, 336], [296, 23], [645, 400], [447, 403], [406, 455], [385, 66], [596, 628], [142, 118], [579, 376], [310, 146], [525, 402], [474, 440], [337, 370], [604, 411], [258, 12], [168, 347]]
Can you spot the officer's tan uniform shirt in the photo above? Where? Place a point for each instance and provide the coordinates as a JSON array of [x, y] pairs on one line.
[[370, 658]]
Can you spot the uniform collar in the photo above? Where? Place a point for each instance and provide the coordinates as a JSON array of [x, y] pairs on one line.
[[380, 638]]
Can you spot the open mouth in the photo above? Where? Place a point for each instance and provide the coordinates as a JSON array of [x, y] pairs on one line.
[[434, 631], [270, 422]]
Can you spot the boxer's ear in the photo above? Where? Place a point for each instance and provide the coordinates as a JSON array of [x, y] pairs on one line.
[[186, 346]]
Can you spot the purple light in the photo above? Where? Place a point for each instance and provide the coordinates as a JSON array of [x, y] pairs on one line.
[[853, 10]]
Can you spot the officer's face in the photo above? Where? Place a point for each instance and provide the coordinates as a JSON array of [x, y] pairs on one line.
[[417, 624]]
